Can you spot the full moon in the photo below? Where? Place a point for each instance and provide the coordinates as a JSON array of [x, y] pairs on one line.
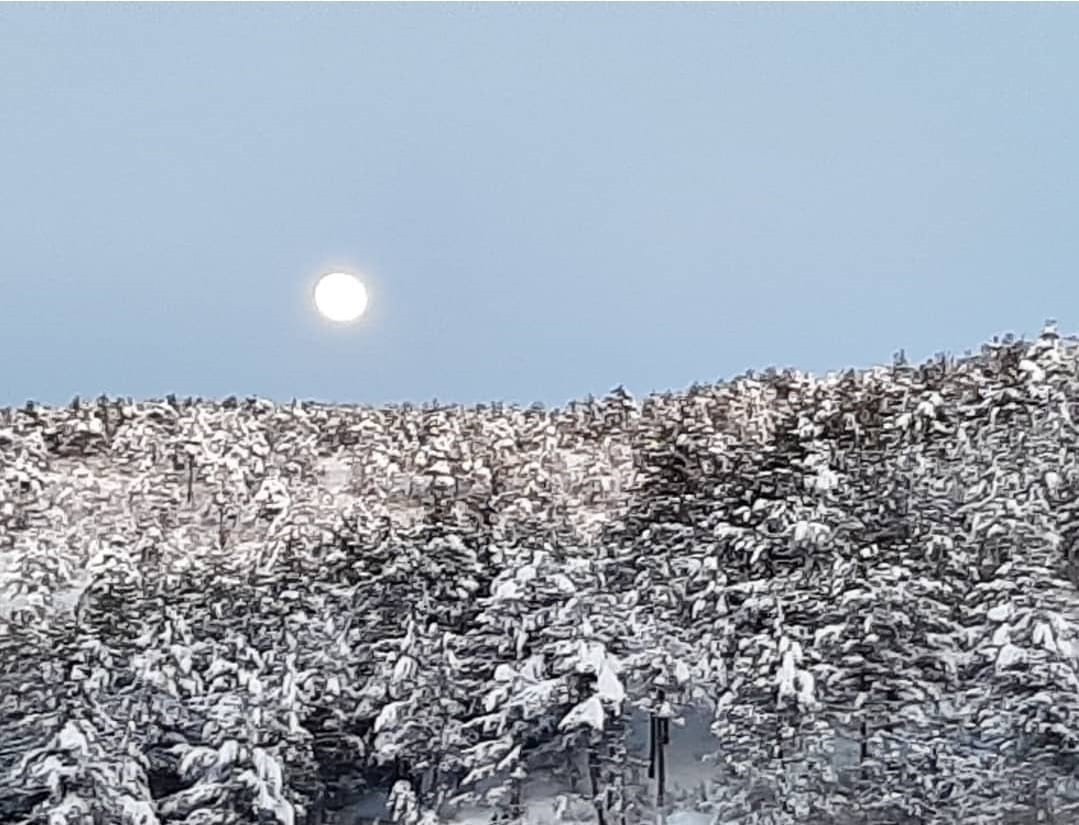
[[340, 297]]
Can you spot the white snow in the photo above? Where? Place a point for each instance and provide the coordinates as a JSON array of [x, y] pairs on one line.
[[589, 712]]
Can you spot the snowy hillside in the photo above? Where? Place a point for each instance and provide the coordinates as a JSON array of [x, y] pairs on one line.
[[778, 599]]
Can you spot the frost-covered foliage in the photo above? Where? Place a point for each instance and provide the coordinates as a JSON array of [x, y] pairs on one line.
[[241, 612]]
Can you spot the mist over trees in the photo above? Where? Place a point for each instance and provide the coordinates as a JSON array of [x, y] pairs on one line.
[[864, 585]]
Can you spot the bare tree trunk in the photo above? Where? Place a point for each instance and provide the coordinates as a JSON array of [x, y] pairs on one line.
[[863, 744], [661, 767], [663, 737], [652, 737], [593, 775]]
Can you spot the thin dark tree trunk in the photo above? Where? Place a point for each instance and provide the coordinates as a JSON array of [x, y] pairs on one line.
[[593, 775], [863, 744], [661, 777], [863, 748], [663, 736], [652, 746]]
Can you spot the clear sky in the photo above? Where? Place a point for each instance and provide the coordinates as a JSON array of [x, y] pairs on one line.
[[544, 200]]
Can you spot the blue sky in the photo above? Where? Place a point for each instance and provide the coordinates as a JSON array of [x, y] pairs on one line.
[[544, 200]]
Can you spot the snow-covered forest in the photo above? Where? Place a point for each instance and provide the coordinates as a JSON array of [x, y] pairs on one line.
[[777, 599]]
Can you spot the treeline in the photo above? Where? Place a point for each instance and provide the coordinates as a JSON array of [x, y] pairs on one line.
[[197, 626]]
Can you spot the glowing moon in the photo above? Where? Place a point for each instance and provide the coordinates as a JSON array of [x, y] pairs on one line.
[[340, 297]]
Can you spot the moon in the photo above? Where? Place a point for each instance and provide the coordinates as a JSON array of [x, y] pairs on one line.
[[340, 297]]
